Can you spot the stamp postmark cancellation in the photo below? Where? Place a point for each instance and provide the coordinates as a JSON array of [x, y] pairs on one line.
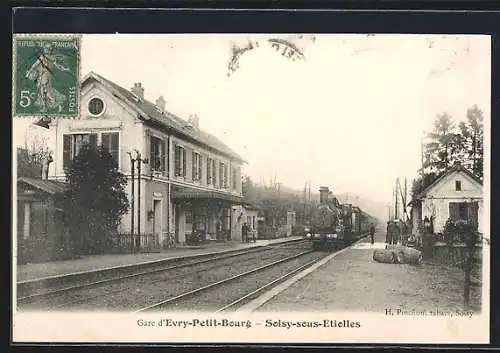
[[46, 75]]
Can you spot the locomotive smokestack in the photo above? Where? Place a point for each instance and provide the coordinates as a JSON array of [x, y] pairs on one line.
[[323, 194]]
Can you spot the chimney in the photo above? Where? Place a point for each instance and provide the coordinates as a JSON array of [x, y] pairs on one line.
[[138, 90], [194, 121], [323, 194], [160, 103], [45, 167]]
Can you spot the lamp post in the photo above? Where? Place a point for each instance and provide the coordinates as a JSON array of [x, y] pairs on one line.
[[135, 157], [139, 160], [132, 172]]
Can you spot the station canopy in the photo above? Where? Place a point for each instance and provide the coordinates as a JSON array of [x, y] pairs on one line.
[[190, 194]]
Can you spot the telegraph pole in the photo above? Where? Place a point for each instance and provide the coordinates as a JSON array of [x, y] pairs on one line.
[[405, 199], [396, 201], [422, 164]]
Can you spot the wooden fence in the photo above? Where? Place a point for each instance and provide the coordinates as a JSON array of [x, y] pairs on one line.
[[455, 255]]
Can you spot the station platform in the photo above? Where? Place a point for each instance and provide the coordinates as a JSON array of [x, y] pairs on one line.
[[352, 281], [52, 269]]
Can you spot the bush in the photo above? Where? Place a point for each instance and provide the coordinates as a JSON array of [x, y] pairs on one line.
[[195, 238], [95, 199], [460, 231]]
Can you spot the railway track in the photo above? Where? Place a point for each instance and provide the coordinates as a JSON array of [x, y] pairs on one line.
[[191, 300], [265, 277], [74, 294]]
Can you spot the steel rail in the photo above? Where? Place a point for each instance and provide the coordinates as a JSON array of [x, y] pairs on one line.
[[215, 258], [218, 283], [276, 281]]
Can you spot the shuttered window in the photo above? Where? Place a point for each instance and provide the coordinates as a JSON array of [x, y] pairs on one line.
[[180, 161], [111, 142], [221, 175], [66, 151], [226, 176], [72, 144], [209, 170], [234, 177], [196, 166], [157, 154], [462, 211], [453, 207], [214, 173]]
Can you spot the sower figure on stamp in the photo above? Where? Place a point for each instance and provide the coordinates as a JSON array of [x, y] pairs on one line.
[[42, 72]]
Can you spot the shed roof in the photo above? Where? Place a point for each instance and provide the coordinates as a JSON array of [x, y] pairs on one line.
[[48, 186]]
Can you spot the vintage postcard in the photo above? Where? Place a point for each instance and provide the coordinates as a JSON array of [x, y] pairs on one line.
[[251, 188]]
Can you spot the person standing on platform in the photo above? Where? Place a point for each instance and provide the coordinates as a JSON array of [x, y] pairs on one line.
[[388, 234], [372, 234], [218, 230], [396, 233], [244, 233]]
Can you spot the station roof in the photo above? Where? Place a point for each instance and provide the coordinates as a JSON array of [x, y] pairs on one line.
[[183, 193], [164, 118]]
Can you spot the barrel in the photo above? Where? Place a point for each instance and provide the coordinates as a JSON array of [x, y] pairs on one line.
[[405, 254], [385, 256]]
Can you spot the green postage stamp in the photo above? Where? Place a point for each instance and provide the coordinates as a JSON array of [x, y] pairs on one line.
[[46, 75]]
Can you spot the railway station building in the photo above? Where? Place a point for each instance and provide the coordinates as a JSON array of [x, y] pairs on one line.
[[190, 181]]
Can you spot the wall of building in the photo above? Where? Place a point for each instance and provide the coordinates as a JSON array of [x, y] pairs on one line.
[[118, 116], [446, 187], [438, 198], [205, 154], [440, 209]]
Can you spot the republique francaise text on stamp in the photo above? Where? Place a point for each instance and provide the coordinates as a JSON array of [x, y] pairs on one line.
[[46, 75]]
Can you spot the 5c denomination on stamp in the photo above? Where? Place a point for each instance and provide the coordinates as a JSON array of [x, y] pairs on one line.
[[46, 75]]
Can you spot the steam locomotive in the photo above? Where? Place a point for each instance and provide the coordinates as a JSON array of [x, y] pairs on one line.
[[334, 225]]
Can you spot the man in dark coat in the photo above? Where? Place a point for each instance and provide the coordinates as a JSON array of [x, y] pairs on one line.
[[244, 232], [388, 234], [396, 233], [372, 234]]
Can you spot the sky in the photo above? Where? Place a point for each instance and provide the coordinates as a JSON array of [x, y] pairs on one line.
[[349, 116]]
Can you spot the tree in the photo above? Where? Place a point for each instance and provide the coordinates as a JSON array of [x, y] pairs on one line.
[[31, 156], [444, 146], [95, 198], [248, 189], [472, 133], [419, 185]]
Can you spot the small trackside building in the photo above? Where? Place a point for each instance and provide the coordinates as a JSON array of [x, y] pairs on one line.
[[190, 180], [41, 235], [457, 194]]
